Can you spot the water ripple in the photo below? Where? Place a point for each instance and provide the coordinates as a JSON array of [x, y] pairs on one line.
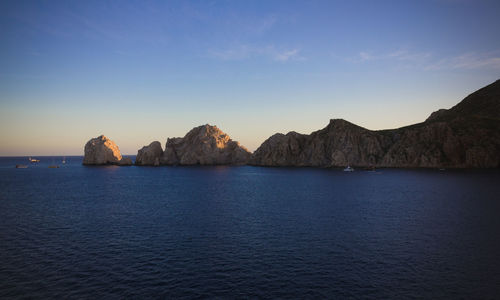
[[197, 233]]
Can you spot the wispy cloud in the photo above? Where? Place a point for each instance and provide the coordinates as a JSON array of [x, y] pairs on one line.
[[364, 56], [399, 55], [242, 52], [468, 61], [428, 61], [405, 55], [287, 55]]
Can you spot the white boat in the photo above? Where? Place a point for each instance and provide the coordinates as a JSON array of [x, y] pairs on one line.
[[34, 160], [64, 160], [348, 169]]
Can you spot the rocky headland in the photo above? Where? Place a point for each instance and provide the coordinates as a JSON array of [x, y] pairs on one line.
[[465, 136], [103, 151]]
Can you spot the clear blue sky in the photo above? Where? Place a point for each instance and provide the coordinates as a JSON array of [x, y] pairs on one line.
[[145, 70]]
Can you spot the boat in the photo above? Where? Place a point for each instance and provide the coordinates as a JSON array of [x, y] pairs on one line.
[[348, 169], [34, 160], [21, 166], [53, 165], [64, 160]]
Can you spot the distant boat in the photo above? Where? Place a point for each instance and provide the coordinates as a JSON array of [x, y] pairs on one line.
[[64, 160], [21, 166], [34, 160], [53, 165], [348, 169]]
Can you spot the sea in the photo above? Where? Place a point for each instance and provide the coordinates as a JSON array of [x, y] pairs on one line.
[[232, 232]]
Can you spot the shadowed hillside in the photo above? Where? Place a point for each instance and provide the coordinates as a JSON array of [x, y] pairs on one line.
[[467, 135]]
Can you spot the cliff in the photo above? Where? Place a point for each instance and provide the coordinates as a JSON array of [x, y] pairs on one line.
[[103, 151], [204, 145], [467, 135]]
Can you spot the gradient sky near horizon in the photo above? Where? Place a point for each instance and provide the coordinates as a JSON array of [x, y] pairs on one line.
[[139, 71]]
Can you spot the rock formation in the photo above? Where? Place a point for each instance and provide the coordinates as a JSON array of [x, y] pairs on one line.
[[339, 144], [149, 155], [125, 161], [204, 145], [103, 151], [467, 135]]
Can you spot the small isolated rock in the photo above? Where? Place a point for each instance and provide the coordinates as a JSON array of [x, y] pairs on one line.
[[125, 161]]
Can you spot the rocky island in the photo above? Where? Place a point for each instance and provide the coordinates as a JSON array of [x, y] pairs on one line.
[[204, 145], [465, 136], [103, 151], [149, 155]]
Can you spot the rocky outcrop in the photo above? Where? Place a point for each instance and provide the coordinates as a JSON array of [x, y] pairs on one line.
[[125, 161], [467, 135], [437, 114], [204, 145], [282, 150], [339, 144], [149, 155], [103, 151]]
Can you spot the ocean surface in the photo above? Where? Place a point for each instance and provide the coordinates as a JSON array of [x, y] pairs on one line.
[[246, 232]]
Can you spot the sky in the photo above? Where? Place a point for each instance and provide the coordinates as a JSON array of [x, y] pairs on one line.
[[140, 71]]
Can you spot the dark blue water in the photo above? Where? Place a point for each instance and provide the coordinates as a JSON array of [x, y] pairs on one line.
[[246, 232]]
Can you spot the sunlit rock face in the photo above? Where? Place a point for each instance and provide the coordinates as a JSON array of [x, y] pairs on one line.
[[467, 135], [103, 151], [149, 155], [204, 145]]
